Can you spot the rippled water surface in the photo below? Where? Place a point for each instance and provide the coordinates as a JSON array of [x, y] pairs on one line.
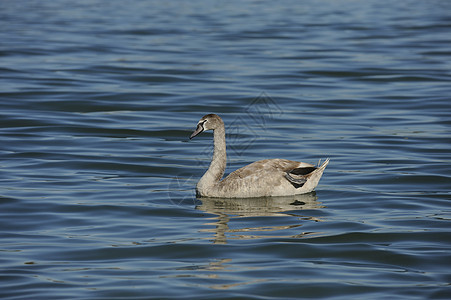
[[97, 175]]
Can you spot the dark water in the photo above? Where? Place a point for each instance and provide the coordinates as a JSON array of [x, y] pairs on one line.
[[97, 176]]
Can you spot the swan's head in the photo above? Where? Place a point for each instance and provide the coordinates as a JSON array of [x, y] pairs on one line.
[[207, 122]]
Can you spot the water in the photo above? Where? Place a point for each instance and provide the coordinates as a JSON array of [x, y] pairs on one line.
[[97, 177]]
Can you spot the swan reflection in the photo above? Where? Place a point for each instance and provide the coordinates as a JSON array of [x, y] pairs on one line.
[[229, 221]]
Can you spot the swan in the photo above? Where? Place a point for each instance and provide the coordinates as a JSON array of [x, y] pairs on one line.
[[263, 178]]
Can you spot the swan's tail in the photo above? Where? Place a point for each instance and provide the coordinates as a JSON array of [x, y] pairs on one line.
[[324, 165], [315, 176]]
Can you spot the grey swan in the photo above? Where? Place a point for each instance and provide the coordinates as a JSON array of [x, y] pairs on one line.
[[263, 178]]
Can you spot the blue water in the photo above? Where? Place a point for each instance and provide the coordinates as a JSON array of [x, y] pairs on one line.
[[97, 175]]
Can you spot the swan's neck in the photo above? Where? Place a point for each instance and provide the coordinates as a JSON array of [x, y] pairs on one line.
[[218, 163]]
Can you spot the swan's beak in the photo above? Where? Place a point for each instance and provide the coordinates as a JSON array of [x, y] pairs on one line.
[[198, 130]]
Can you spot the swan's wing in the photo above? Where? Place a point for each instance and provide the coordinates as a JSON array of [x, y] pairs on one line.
[[267, 177], [269, 169], [299, 176]]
